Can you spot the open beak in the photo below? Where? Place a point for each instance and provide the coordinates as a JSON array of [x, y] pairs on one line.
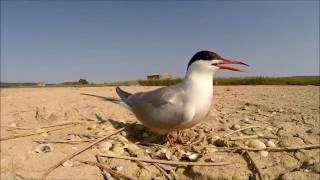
[[221, 64]]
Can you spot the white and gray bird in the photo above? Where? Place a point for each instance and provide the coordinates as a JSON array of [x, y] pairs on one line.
[[180, 106]]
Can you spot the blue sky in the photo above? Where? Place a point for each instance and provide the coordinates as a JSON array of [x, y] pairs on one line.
[[56, 41]]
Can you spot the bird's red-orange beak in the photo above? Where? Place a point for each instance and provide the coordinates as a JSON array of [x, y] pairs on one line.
[[221, 64]]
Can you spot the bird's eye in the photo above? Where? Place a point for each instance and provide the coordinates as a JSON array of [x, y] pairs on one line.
[[214, 64]]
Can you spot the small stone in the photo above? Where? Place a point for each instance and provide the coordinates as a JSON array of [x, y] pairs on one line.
[[94, 126], [45, 134], [246, 119], [123, 133], [309, 131], [164, 153], [168, 155], [117, 149], [260, 134], [68, 163], [256, 144], [13, 125], [118, 168], [148, 151], [269, 129], [245, 108], [105, 146], [271, 144], [43, 148], [264, 153], [274, 113], [281, 110], [221, 129], [73, 137], [235, 127], [287, 141], [217, 158]]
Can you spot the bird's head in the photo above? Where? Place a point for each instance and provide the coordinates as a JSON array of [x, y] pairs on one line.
[[207, 61]]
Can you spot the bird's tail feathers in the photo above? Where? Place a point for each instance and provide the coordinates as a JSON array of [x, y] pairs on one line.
[[124, 97], [122, 94]]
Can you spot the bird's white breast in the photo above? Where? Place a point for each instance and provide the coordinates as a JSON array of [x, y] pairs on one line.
[[199, 91]]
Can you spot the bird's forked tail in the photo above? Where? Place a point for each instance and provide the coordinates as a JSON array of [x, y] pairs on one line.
[[124, 96]]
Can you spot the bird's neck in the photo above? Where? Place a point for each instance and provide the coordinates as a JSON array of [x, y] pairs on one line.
[[199, 81]]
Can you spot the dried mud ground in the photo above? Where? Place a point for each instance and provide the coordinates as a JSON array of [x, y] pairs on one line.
[[287, 115]]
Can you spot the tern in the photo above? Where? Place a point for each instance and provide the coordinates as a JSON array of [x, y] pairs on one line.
[[180, 106]]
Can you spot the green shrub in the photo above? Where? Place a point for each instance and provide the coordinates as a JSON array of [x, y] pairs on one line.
[[83, 81]]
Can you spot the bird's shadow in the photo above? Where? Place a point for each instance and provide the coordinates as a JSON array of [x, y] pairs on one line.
[[134, 132]]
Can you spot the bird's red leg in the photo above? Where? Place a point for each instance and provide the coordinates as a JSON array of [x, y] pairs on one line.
[[167, 138], [179, 139]]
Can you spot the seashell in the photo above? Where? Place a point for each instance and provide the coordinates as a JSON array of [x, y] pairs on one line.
[[194, 156]]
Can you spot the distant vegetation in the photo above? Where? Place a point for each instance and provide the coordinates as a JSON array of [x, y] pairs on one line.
[[293, 80]]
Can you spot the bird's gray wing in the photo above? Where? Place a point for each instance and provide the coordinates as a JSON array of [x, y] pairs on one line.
[[161, 108]]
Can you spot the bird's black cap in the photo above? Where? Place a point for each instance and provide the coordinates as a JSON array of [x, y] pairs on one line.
[[204, 55]]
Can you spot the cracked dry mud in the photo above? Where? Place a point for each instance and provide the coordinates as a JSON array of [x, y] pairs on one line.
[[287, 115]]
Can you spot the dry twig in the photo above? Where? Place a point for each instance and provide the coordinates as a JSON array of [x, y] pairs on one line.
[[274, 149], [251, 137], [77, 152], [30, 134], [61, 141], [254, 165], [100, 165], [104, 172], [43, 127], [179, 163], [249, 127], [162, 171]]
